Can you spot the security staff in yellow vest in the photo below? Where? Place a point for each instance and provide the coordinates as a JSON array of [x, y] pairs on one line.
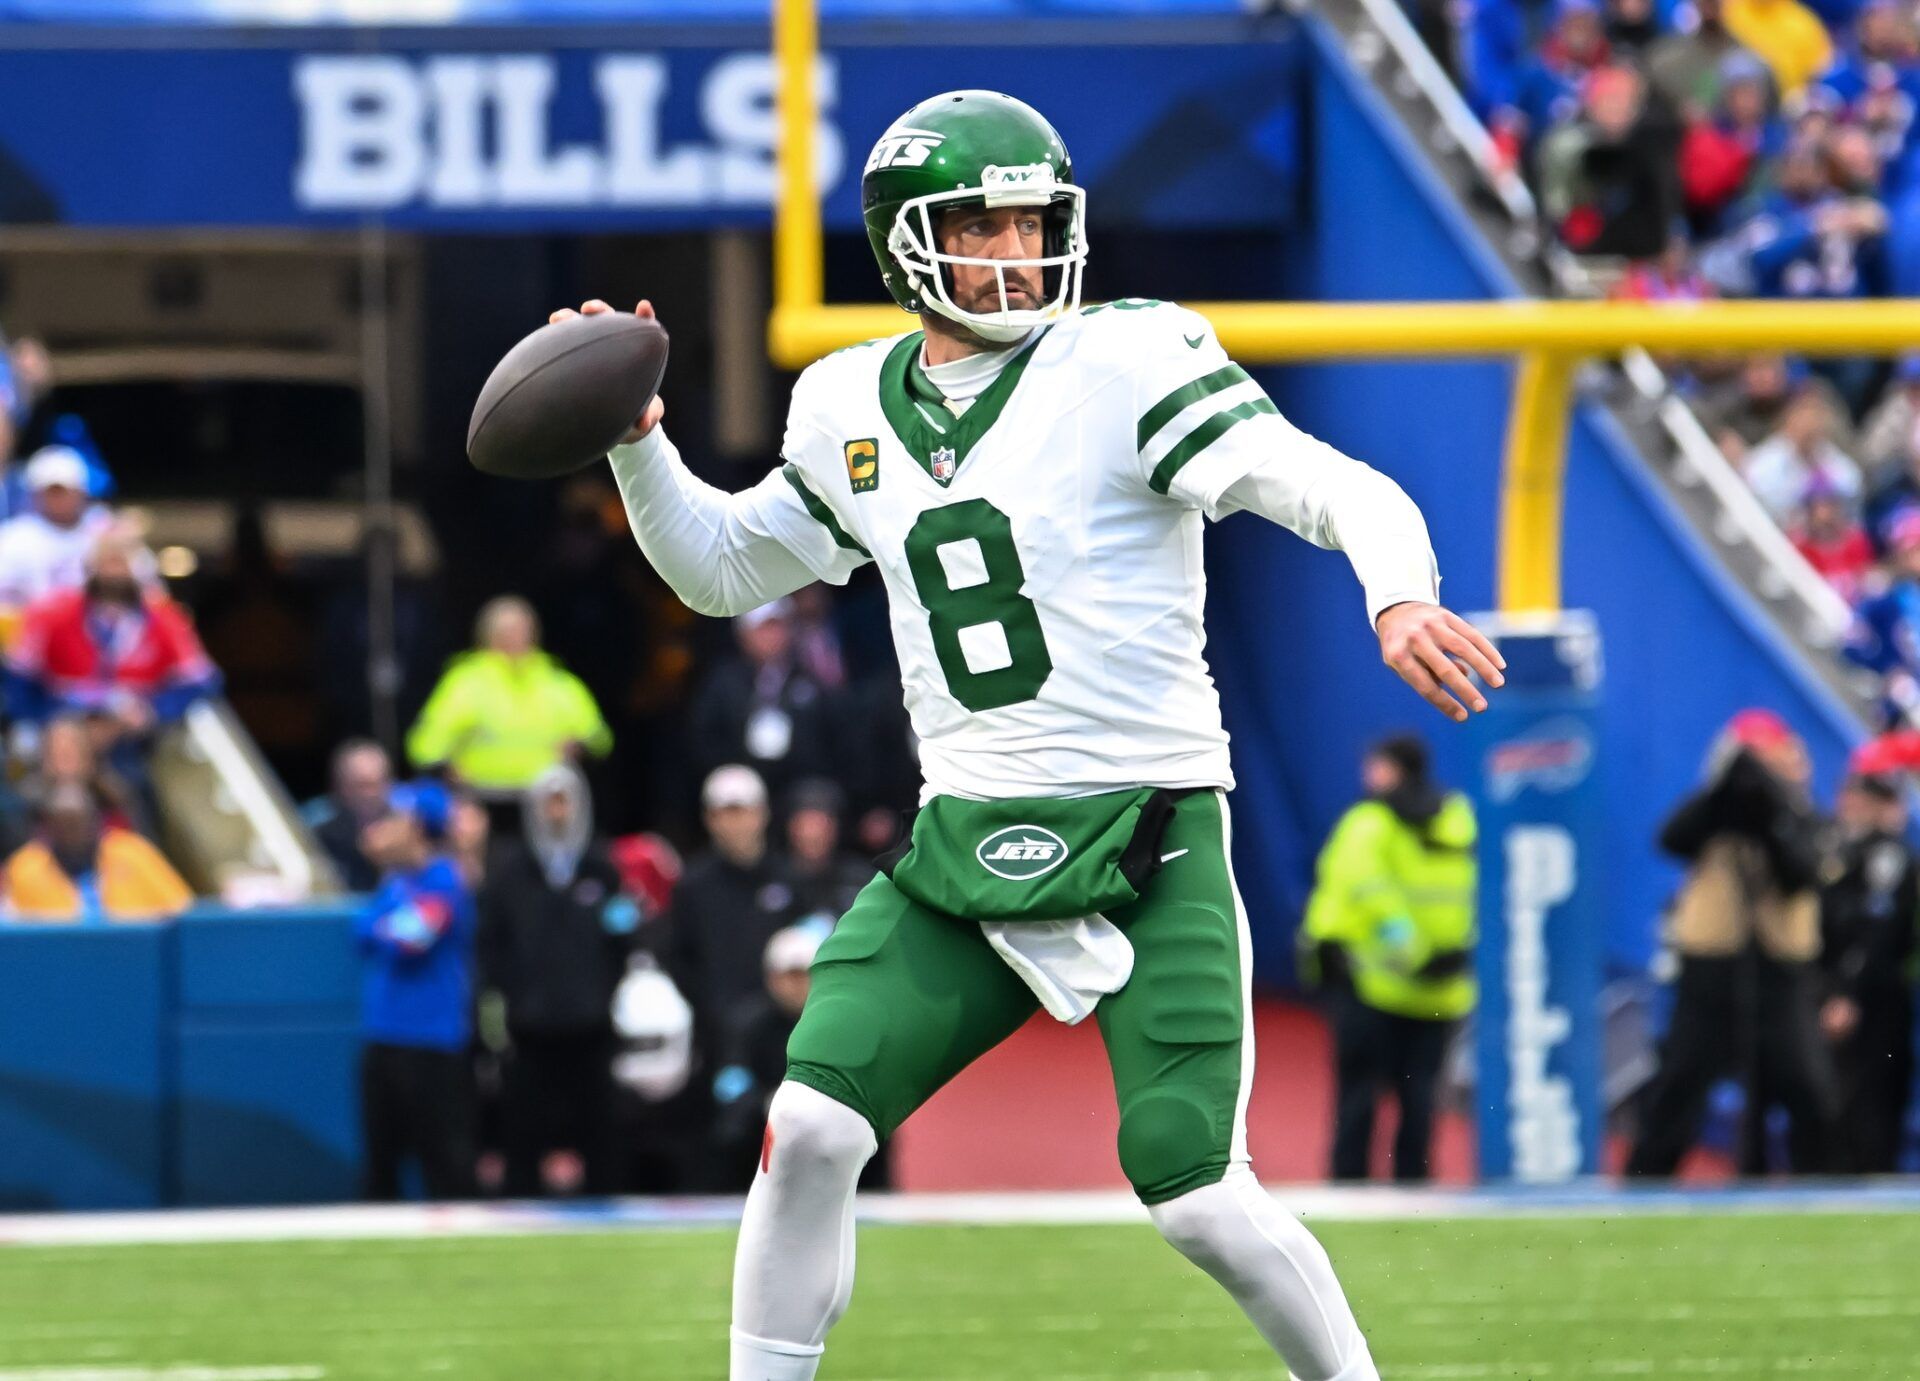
[[1390, 932], [505, 712]]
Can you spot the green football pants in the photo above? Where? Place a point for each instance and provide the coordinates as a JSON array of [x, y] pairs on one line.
[[904, 998]]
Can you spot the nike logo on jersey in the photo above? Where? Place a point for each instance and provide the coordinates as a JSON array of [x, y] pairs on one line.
[[1195, 342]]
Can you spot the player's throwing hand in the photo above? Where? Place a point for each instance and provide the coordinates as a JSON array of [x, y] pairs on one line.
[[656, 407], [1433, 649]]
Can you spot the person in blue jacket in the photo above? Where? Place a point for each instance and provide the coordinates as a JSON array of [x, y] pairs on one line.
[[416, 937], [1886, 627]]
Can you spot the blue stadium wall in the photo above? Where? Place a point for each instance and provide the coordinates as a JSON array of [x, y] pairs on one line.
[[1298, 669]]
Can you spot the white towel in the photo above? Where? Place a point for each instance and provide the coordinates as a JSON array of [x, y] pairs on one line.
[[1070, 965]]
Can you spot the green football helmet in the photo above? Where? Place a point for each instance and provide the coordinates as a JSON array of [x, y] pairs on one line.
[[972, 148]]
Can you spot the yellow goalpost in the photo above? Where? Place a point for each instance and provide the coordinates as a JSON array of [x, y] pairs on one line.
[[1547, 338]]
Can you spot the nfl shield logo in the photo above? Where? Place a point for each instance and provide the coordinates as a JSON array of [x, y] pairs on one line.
[[942, 463]]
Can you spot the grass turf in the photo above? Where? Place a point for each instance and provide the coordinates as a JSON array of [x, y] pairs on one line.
[[1734, 1296]]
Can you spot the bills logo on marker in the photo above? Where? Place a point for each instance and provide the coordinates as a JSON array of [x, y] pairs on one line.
[[1021, 852], [1552, 757]]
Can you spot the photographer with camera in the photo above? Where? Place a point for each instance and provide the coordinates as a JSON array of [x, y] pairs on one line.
[[1745, 928]]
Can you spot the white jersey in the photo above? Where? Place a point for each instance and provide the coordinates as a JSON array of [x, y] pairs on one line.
[[1041, 550]]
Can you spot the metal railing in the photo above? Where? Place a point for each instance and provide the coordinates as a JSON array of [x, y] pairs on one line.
[[1823, 614]]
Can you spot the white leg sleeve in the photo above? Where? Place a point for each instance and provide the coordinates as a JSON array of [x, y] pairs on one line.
[[1274, 1270], [793, 1268]]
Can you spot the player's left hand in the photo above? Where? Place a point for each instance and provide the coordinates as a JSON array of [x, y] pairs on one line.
[[1433, 649]]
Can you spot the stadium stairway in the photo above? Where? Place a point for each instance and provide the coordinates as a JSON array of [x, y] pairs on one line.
[[228, 824], [1703, 607]]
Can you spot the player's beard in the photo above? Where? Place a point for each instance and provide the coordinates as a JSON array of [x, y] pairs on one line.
[[1023, 295]]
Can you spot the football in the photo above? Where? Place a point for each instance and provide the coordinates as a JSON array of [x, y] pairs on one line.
[[565, 395]]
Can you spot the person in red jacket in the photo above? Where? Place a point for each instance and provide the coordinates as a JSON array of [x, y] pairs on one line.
[[123, 655]]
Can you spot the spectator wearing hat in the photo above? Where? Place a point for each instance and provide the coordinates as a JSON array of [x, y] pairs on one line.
[[753, 1060], [1801, 455], [1745, 928], [824, 877], [80, 867], [1787, 35], [416, 936], [1885, 636], [505, 712], [762, 709], [556, 931], [1869, 910], [1728, 145], [727, 905], [45, 549], [1688, 68], [1832, 540]]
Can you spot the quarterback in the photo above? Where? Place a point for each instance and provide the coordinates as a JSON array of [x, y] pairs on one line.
[[1031, 478]]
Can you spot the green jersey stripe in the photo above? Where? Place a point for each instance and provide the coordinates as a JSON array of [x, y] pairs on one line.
[[824, 515], [1204, 436], [1185, 397]]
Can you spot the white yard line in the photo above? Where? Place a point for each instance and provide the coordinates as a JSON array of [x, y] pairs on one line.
[[1315, 1203], [162, 1373]]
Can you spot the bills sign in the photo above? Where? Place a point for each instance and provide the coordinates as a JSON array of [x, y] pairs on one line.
[[1541, 912], [640, 129]]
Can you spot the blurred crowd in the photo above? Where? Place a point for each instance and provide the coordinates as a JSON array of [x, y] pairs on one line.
[[96, 659], [1694, 149], [552, 1010]]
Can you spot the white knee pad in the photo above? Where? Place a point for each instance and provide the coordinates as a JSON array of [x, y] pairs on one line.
[[804, 1123]]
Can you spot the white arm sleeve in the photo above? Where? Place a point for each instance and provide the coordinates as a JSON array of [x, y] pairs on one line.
[[1343, 505], [1211, 438], [724, 553]]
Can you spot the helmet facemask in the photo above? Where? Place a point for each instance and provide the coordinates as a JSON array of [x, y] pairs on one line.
[[915, 246]]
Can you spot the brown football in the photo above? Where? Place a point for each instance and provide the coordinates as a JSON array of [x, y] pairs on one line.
[[565, 395]]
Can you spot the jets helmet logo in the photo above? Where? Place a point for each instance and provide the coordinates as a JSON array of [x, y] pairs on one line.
[[905, 148], [1020, 853]]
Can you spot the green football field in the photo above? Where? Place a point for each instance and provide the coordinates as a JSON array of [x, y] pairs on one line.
[[1798, 1295]]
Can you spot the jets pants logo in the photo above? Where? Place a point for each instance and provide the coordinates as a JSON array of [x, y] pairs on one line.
[[1021, 852]]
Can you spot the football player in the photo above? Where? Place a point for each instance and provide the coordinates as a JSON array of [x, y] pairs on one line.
[[1031, 479]]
